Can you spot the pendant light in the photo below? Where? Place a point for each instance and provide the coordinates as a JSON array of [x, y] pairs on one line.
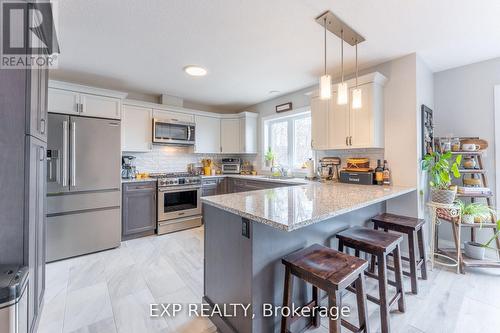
[[342, 96], [325, 82], [356, 93]]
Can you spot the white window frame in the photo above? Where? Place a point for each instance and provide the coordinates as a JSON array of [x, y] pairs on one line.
[[265, 129]]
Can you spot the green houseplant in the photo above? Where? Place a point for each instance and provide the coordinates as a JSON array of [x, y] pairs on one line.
[[269, 158], [470, 211], [476, 250], [441, 168]]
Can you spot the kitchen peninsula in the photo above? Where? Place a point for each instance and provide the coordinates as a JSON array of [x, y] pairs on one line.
[[247, 234]]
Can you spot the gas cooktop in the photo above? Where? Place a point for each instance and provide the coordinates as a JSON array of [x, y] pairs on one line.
[[176, 178]]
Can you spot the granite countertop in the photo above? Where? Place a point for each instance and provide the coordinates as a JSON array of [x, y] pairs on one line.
[[291, 208], [134, 180]]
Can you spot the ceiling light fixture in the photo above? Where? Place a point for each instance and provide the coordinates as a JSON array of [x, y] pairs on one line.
[[356, 93], [325, 82], [195, 70], [342, 86]]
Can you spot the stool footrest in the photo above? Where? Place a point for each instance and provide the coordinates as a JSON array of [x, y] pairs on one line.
[[351, 327], [309, 305]]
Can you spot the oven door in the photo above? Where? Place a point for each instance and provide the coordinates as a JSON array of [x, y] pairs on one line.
[[173, 132], [231, 168], [177, 202]]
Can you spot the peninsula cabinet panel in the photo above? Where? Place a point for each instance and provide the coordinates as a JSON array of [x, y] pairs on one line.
[[136, 129], [208, 133]]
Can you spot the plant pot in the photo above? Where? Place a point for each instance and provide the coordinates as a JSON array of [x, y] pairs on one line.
[[474, 250], [268, 163], [443, 196], [468, 219]]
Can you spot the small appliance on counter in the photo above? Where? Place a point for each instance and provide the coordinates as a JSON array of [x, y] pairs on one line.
[[128, 167], [357, 171], [13, 299], [231, 165], [329, 168]]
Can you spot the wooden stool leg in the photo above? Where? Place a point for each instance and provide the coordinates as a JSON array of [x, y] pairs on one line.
[[362, 306], [398, 271], [334, 301], [423, 253], [341, 245], [287, 299], [382, 288], [413, 262], [316, 319], [372, 262]]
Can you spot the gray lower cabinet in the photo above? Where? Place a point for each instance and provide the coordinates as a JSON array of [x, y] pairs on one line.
[[212, 186], [138, 209]]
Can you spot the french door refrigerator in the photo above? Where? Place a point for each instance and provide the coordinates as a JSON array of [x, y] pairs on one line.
[[83, 185]]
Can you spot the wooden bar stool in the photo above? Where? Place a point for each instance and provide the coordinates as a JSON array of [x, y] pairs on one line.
[[379, 244], [412, 227], [331, 271]]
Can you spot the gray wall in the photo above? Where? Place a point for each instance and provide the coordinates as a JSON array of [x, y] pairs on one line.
[[464, 105]]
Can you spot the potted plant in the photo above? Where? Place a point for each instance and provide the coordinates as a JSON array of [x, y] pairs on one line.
[[441, 168], [470, 211], [269, 158], [476, 250]]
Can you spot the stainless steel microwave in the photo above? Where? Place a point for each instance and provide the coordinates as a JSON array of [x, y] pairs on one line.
[[173, 132]]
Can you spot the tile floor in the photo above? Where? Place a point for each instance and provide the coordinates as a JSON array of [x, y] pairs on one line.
[[110, 292]]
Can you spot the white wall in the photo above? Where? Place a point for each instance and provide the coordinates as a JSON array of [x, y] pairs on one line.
[[464, 105]]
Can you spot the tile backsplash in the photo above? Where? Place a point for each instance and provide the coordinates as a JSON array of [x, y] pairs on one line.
[[373, 154], [175, 159]]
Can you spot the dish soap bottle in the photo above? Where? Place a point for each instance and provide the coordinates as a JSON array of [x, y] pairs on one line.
[[386, 174], [379, 173]]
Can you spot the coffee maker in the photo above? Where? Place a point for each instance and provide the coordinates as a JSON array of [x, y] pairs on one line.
[[128, 167], [329, 168]]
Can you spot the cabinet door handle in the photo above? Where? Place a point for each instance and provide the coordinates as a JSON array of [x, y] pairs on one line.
[[350, 141], [73, 154], [347, 141]]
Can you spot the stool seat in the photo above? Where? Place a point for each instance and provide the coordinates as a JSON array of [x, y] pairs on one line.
[[325, 267], [393, 220], [369, 240]]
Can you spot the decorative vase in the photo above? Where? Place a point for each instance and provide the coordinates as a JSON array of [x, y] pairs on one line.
[[443, 196], [474, 250], [468, 219]]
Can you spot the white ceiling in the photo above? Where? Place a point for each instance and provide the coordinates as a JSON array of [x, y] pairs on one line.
[[250, 47]]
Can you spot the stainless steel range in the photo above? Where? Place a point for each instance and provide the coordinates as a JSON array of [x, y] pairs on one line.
[[179, 205]]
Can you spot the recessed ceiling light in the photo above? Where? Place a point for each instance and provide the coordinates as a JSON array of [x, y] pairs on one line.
[[195, 70]]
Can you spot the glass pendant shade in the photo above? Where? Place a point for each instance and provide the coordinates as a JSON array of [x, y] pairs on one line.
[[325, 87], [342, 94], [356, 99]]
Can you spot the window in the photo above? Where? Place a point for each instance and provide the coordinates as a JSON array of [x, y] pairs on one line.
[[290, 139]]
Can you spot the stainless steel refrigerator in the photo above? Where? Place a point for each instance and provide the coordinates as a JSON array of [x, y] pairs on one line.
[[83, 185]]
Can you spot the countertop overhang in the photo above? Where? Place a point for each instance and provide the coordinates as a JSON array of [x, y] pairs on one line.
[[294, 207]]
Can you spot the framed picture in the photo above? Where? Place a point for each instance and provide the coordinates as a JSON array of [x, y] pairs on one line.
[[427, 131]]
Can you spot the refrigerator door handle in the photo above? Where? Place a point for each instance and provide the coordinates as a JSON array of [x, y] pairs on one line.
[[64, 158], [73, 153]]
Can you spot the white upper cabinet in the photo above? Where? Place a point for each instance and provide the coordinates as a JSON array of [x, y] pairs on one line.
[[319, 123], [207, 134], [63, 101], [248, 133], [136, 128], [173, 116], [75, 99], [100, 106], [230, 135], [347, 127]]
